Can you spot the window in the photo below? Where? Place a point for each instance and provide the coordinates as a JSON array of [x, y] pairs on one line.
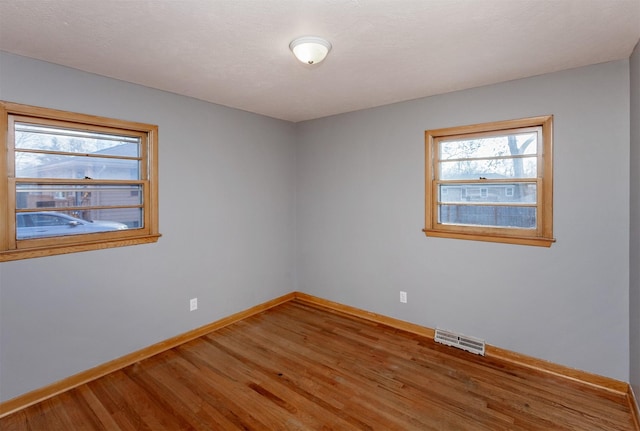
[[73, 182], [491, 182]]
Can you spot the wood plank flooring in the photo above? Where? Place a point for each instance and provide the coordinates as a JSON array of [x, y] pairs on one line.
[[302, 367]]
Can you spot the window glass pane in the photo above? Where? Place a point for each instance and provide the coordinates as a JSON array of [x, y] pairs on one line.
[[33, 196], [521, 167], [45, 224], [507, 145], [488, 192], [492, 216], [46, 138], [43, 165]]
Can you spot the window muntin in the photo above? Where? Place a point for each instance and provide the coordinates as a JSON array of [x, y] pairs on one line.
[[491, 182], [73, 182]]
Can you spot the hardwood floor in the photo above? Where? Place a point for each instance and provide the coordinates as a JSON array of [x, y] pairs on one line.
[[302, 367]]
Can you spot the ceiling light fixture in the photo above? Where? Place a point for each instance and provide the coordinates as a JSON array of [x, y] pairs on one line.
[[310, 49]]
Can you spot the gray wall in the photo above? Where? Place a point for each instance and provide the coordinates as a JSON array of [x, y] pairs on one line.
[[226, 215], [634, 263], [360, 211], [252, 208]]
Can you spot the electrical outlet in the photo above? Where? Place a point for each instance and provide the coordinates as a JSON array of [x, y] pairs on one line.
[[403, 297], [193, 304]]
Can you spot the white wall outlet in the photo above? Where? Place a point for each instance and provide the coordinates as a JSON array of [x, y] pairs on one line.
[[403, 297], [193, 304]]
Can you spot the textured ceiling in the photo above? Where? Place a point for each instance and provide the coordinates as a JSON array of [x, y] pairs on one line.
[[236, 52]]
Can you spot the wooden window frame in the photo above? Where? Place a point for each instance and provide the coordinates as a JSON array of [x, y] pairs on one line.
[[542, 235], [13, 249]]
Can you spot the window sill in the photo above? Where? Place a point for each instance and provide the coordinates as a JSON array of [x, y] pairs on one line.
[[28, 253], [519, 240]]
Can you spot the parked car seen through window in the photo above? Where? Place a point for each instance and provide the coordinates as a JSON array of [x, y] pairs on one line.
[[46, 224]]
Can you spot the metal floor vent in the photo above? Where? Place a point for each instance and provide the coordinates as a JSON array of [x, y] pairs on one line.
[[470, 344]]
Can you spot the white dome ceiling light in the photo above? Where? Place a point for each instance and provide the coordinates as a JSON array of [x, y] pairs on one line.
[[310, 49]]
